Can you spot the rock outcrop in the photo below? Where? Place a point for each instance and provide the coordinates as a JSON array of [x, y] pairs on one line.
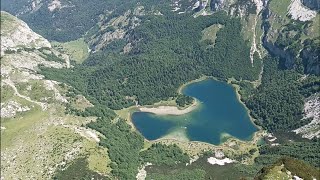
[[311, 111], [33, 121], [17, 35], [299, 12], [284, 37]]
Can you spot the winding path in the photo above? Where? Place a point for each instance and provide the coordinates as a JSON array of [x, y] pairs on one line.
[[11, 84]]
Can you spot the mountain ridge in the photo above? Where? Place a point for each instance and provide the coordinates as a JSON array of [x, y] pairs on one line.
[[141, 52]]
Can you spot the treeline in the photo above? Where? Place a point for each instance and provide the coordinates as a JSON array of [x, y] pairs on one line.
[[277, 103], [164, 155], [306, 151], [78, 169], [167, 55], [183, 100], [123, 146], [310, 85], [184, 174]]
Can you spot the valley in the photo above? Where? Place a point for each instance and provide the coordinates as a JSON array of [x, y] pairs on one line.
[[112, 89], [215, 110]]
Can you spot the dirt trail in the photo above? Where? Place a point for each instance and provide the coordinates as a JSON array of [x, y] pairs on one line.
[[11, 84]]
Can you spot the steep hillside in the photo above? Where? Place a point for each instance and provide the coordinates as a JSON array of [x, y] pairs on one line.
[[73, 71], [110, 22], [287, 168], [292, 34], [37, 137], [58, 20], [63, 20], [292, 31]]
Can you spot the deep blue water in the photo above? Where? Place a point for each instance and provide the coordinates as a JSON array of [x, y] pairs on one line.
[[219, 113]]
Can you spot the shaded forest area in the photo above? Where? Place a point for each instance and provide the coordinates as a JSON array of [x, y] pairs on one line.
[[169, 54]]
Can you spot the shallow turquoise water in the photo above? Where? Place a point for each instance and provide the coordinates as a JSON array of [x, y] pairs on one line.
[[219, 116]]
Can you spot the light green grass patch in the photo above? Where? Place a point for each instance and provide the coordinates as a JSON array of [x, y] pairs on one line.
[[6, 93], [280, 7], [210, 33], [8, 23], [315, 27], [277, 23], [98, 158], [277, 173], [35, 90], [19, 124], [77, 49], [61, 139], [125, 113]]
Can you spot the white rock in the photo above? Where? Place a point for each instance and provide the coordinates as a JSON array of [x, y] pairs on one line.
[[142, 173], [297, 178], [20, 36], [299, 12], [311, 110], [11, 108], [55, 4], [220, 162]]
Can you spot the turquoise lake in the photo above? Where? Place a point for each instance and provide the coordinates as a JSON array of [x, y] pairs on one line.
[[219, 116]]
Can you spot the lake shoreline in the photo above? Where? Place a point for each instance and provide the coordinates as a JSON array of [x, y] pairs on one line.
[[170, 110], [196, 148], [161, 108], [228, 81], [237, 90]]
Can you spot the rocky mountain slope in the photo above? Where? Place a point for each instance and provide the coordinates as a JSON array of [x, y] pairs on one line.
[[292, 33], [37, 137], [291, 29], [107, 22]]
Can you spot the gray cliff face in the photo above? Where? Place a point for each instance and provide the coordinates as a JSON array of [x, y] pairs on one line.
[[289, 59], [217, 5], [310, 55], [306, 53], [311, 59], [312, 4]]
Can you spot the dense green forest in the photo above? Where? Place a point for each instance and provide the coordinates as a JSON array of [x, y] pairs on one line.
[[183, 100], [164, 155], [195, 174], [308, 152], [168, 55], [78, 170], [123, 146], [277, 103], [304, 164]]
